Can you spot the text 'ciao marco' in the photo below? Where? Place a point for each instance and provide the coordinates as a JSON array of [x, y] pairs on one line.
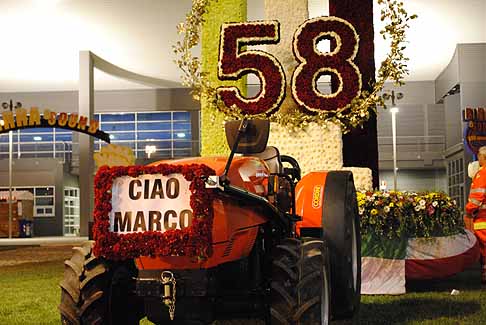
[[150, 203]]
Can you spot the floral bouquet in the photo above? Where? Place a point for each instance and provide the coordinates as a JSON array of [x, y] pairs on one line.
[[395, 214]]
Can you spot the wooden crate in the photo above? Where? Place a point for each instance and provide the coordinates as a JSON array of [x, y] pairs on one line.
[[4, 228], [4, 220]]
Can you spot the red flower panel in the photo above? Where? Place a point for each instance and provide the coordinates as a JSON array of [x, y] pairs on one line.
[[193, 241]]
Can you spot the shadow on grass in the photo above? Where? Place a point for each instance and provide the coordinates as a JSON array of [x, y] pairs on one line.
[[404, 310], [467, 280]]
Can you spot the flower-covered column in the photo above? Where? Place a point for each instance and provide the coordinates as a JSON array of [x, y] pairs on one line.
[[291, 15], [360, 146], [315, 147], [213, 139]]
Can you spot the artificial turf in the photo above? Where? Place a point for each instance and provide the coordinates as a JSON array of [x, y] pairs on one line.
[[29, 294]]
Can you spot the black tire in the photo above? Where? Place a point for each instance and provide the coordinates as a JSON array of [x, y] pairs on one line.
[[95, 292], [296, 296], [342, 233]]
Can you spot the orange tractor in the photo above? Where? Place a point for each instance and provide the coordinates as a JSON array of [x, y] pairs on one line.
[[283, 249]]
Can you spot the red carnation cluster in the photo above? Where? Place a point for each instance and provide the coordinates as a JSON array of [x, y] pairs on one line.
[[234, 65], [194, 241], [314, 64]]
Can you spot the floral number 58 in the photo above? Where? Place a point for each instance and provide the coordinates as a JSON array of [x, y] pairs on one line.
[[233, 65]]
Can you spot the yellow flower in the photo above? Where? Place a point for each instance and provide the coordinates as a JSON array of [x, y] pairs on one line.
[[374, 212], [391, 205]]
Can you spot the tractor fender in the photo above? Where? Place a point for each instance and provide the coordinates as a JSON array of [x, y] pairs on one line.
[[309, 197]]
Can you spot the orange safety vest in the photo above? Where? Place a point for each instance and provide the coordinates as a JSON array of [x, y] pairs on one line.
[[476, 205]]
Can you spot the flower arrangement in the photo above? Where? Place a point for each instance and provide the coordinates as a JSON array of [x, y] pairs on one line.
[[194, 241], [396, 214]]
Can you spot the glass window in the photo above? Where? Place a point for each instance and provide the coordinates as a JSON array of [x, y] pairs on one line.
[[117, 127], [43, 191], [4, 137], [182, 144], [135, 130], [117, 117], [157, 144], [182, 152], [154, 116], [44, 201], [182, 126], [36, 137], [122, 136], [162, 126], [154, 135], [182, 135], [181, 116], [65, 137]]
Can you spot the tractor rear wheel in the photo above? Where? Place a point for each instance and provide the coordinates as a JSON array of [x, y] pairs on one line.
[[95, 292], [300, 286]]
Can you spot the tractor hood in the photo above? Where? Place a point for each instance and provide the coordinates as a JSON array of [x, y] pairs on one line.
[[249, 173]]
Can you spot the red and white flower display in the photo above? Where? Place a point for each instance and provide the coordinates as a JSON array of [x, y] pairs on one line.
[[194, 241]]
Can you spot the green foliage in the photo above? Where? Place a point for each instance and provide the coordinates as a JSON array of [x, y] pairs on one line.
[[396, 214]]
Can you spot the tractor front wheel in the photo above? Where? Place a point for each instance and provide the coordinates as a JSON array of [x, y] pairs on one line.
[[300, 287], [94, 291]]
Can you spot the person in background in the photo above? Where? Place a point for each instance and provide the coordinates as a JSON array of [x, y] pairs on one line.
[[475, 217]]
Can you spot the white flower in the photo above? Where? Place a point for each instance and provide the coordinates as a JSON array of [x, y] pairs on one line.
[[386, 209], [422, 202], [417, 208], [434, 204], [361, 211]]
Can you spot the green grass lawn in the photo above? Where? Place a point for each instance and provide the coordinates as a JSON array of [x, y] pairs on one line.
[[30, 295], [430, 302]]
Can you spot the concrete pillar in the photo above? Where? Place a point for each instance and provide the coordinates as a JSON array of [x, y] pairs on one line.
[[86, 108]]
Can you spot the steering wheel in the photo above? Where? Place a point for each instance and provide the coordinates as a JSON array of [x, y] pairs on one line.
[[293, 171]]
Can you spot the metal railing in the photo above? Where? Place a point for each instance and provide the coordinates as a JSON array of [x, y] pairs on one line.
[[413, 144]]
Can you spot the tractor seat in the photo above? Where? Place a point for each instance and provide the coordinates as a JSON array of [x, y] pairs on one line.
[[271, 156]]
